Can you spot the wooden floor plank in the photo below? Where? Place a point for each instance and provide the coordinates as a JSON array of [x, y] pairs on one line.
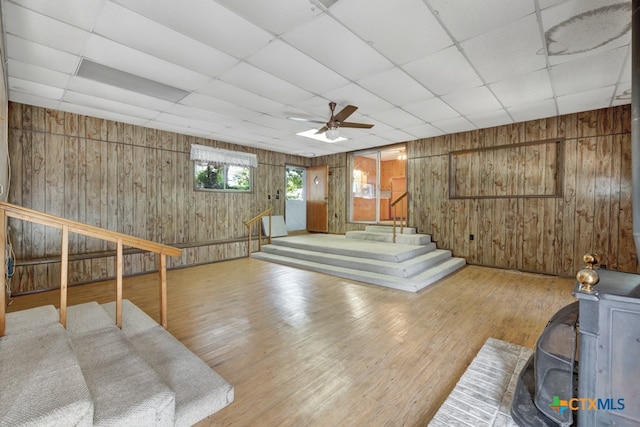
[[307, 349]]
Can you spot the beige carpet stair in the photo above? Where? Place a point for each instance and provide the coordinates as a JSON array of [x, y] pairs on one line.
[[93, 373], [367, 256]]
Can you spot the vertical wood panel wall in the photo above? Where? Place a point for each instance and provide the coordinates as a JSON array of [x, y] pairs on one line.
[[128, 179], [546, 235]]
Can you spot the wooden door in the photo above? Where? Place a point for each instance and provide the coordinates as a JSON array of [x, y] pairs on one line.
[[318, 199]]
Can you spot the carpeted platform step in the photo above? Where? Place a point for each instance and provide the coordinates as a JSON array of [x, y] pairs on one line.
[[199, 390], [385, 236], [389, 229], [413, 284], [340, 245], [407, 268]]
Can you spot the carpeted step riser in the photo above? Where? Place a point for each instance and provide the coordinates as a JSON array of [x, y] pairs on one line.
[[403, 239], [406, 269], [416, 251], [413, 284]]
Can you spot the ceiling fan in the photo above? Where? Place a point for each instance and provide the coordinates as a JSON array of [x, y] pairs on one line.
[[336, 121]]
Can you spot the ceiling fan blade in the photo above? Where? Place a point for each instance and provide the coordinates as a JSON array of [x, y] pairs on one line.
[[302, 119], [322, 130], [344, 113], [355, 125]]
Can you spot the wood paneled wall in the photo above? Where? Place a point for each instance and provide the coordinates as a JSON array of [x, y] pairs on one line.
[[125, 178], [546, 235], [139, 181]]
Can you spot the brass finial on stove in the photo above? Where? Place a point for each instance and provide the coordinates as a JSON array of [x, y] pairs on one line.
[[588, 277]]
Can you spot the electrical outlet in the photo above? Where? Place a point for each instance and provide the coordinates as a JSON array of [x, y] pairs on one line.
[[268, 196], [471, 237]]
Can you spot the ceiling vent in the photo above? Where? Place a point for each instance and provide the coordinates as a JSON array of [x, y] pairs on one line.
[[101, 73]]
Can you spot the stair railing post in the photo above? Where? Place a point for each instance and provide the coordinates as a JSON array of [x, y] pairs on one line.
[[162, 271], [64, 275], [119, 283], [3, 270]]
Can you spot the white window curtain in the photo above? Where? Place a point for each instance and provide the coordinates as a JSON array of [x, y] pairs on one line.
[[217, 155]]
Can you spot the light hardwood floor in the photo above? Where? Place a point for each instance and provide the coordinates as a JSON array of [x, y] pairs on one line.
[[307, 349]]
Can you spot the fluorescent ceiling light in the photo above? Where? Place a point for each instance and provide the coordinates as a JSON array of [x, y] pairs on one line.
[[311, 133], [101, 73]]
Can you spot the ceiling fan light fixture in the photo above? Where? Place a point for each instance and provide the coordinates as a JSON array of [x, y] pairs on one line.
[[333, 133]]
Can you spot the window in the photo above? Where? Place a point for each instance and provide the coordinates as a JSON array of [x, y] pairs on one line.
[[221, 177]]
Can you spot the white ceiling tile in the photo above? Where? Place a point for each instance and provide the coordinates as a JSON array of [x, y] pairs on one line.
[[220, 121], [100, 103], [39, 55], [25, 98], [397, 118], [623, 94], [34, 88], [79, 13], [196, 124], [432, 110], [224, 108], [592, 72], [169, 127], [276, 16], [525, 89], [206, 21], [459, 124], [396, 86], [444, 72], [423, 131], [101, 114], [534, 110], [288, 63], [472, 101], [396, 135], [38, 74], [402, 30], [230, 93], [584, 27], [367, 102], [585, 101], [90, 87], [507, 51], [466, 19], [490, 118], [254, 80], [38, 28], [333, 45], [123, 58], [124, 26]]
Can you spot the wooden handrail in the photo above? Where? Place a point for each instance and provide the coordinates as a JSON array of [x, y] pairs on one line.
[[402, 218], [249, 224], [8, 210]]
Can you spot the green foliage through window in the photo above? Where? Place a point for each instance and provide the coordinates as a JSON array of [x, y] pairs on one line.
[[295, 183], [212, 176]]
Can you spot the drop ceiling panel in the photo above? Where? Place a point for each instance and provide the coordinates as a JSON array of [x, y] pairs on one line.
[[288, 63], [432, 110], [79, 13], [114, 55], [577, 102], [397, 118], [490, 118], [25, 98], [507, 51], [423, 131], [90, 87], [107, 105], [444, 72], [591, 72], [206, 21], [458, 124], [467, 19], [396, 86], [38, 28], [38, 74], [367, 102], [472, 101], [252, 79], [40, 55], [534, 110], [124, 26], [225, 108], [335, 46], [584, 27], [525, 89], [230, 93], [276, 16], [402, 30], [34, 88]]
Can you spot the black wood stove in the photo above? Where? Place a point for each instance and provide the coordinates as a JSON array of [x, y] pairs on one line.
[[585, 370]]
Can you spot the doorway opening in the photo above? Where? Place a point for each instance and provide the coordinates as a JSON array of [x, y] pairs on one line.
[[295, 204], [378, 178]]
